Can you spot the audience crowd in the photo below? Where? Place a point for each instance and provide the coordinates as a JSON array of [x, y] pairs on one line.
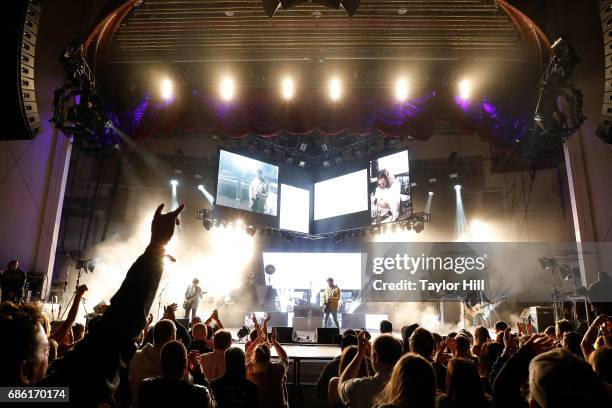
[[122, 359]]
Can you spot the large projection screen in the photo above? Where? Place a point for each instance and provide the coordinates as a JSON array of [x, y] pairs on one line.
[[341, 195], [301, 270], [247, 184], [294, 209]]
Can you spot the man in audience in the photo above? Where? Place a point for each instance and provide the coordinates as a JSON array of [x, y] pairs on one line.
[[232, 389], [422, 343], [558, 378], [12, 282], [386, 327], [361, 392], [331, 369], [172, 389], [200, 339], [500, 326], [214, 363], [561, 327], [78, 331], [462, 348], [90, 369], [146, 362]]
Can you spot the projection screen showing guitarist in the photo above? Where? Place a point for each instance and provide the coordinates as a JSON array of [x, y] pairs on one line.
[[329, 303], [258, 192], [192, 298]]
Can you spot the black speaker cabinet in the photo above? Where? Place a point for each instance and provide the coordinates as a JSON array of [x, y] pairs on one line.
[[328, 335], [22, 21], [542, 317], [284, 334]]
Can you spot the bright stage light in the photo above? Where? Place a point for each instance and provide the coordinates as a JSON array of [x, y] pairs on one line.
[[227, 88], [167, 89], [173, 183], [431, 193], [335, 89], [288, 88], [207, 195], [465, 89], [457, 187], [401, 89]]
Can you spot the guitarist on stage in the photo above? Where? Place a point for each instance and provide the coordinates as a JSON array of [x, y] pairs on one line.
[[258, 192], [192, 298], [329, 302]]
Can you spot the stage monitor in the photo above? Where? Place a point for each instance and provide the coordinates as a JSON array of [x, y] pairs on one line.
[[294, 209], [342, 195], [390, 199], [247, 184]]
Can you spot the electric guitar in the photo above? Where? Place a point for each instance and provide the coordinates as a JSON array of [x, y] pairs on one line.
[[479, 308], [189, 300]]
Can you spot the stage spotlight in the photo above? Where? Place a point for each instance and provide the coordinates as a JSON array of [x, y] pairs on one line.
[[335, 89], [431, 193], [288, 88], [303, 146], [457, 187], [453, 176], [167, 89], [401, 89], [302, 163], [465, 89], [173, 183], [432, 180], [227, 88]]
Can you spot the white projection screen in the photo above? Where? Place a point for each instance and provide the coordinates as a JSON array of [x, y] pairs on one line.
[[300, 270], [294, 209], [341, 195]]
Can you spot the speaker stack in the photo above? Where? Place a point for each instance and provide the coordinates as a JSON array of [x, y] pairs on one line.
[[24, 17]]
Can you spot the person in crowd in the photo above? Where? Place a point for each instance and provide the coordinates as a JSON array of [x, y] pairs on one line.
[[437, 340], [462, 348], [78, 331], [347, 356], [500, 326], [464, 389], [412, 384], [550, 332], [481, 336], [213, 363], [232, 389], [12, 282], [450, 342], [559, 378], [146, 362], [601, 361], [330, 369], [90, 368], [422, 343], [62, 332], [386, 327], [489, 354], [600, 324], [360, 392], [514, 370], [571, 342], [172, 388], [561, 327], [270, 377], [200, 339], [406, 332]]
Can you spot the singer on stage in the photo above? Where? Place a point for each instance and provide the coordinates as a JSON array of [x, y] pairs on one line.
[[329, 303]]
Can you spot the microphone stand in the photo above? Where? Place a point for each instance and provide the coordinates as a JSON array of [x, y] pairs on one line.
[[309, 315]]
